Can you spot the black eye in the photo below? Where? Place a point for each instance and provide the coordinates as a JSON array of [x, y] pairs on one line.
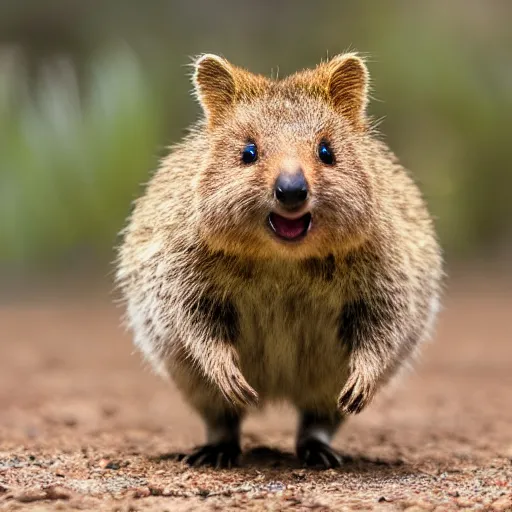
[[250, 153], [325, 153]]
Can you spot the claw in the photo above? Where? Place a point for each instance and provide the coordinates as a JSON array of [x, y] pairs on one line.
[[316, 453], [222, 455]]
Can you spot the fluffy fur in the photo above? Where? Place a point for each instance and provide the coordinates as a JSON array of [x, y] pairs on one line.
[[238, 317]]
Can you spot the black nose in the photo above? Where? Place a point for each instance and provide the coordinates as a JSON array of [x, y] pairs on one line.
[[291, 190]]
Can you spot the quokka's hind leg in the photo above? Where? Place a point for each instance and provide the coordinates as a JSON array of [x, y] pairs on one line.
[[316, 430], [222, 449], [221, 419]]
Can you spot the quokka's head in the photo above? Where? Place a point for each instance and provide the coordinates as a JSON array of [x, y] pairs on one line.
[[287, 172]]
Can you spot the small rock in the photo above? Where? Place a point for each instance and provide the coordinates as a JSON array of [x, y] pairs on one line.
[[30, 495], [383, 499], [464, 502], [502, 504], [156, 491], [3, 488], [57, 493], [141, 492], [276, 487], [109, 464]]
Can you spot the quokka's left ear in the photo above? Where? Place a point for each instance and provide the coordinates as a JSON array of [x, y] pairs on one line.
[[347, 82]]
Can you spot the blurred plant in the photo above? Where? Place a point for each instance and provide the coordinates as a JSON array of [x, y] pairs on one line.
[[70, 162], [78, 139]]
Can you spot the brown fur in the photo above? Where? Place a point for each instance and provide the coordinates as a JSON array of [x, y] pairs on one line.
[[238, 317]]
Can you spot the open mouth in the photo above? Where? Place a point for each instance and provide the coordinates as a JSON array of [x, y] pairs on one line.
[[289, 229]]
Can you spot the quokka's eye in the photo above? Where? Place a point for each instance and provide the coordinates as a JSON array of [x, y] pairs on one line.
[[325, 153], [250, 153]]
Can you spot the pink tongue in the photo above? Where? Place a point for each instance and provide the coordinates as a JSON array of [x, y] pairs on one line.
[[288, 228]]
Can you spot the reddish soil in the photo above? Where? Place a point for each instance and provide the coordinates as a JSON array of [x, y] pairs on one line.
[[84, 426]]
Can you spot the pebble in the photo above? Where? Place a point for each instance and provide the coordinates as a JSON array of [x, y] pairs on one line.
[[30, 495], [276, 487], [502, 504], [57, 493], [109, 464], [141, 492], [50, 493]]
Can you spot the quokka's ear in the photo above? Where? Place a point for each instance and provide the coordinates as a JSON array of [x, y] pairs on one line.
[[347, 87], [214, 83], [219, 85]]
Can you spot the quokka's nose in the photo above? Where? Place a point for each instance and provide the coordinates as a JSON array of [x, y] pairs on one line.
[[291, 189]]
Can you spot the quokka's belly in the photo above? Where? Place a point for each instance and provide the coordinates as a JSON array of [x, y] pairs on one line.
[[292, 351]]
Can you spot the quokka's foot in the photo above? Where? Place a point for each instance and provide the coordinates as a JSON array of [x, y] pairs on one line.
[[220, 455], [314, 453]]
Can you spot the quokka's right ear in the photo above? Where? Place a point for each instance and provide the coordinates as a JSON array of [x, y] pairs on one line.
[[219, 86], [215, 87]]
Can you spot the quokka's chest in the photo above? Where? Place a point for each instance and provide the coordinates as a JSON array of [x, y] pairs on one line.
[[289, 338]]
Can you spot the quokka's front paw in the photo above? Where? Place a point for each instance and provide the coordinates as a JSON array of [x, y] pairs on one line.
[[231, 382], [357, 393], [220, 455]]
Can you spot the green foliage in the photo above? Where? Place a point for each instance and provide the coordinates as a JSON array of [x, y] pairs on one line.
[[71, 163], [78, 135]]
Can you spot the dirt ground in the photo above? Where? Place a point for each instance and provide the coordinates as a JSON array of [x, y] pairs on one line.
[[84, 426]]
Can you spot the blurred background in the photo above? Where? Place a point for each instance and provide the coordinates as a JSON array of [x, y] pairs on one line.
[[92, 93]]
